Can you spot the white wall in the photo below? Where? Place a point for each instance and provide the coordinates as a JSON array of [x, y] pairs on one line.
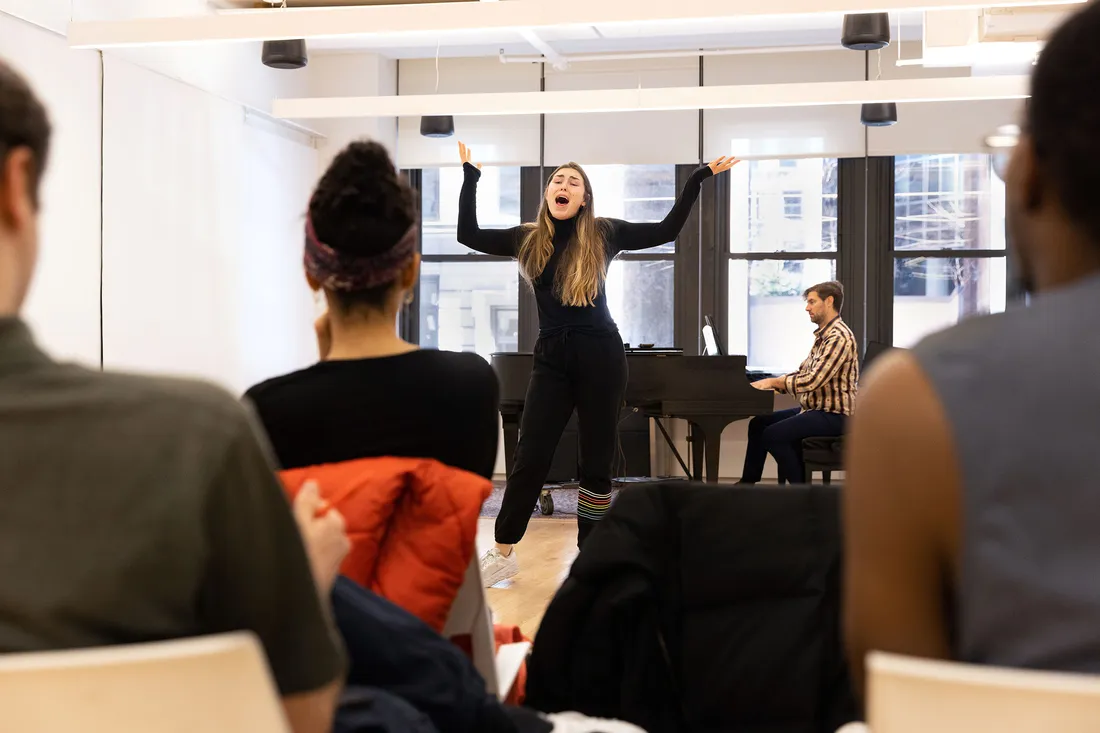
[[494, 139], [203, 210], [624, 137], [335, 75], [63, 308], [833, 131], [202, 204]]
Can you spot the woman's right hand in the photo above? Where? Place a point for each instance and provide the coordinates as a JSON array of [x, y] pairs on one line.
[[464, 154], [324, 534]]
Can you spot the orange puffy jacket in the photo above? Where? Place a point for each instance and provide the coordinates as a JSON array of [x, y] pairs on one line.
[[412, 523]]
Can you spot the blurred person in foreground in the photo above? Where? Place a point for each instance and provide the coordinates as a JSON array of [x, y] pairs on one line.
[[971, 503], [138, 509]]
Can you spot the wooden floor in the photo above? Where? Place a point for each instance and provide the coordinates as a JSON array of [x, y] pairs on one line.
[[545, 556]]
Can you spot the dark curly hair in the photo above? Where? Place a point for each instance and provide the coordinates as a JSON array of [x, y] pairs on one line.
[[1063, 116], [362, 207], [23, 123]]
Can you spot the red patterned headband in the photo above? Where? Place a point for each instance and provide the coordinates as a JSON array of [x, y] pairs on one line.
[[335, 270]]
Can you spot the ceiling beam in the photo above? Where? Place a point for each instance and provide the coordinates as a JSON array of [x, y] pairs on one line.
[[548, 52], [744, 96], [444, 17]]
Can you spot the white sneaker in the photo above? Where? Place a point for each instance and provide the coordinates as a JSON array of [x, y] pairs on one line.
[[495, 567], [577, 723]]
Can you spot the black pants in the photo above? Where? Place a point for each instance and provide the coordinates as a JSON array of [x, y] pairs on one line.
[[781, 434], [572, 370]]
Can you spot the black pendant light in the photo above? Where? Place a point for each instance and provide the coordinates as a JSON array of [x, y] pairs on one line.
[[285, 54], [866, 31], [437, 126], [879, 114]]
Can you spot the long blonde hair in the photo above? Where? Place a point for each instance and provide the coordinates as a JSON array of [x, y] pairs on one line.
[[583, 267]]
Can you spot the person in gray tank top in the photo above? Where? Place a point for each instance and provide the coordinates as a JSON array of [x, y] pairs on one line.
[[972, 504]]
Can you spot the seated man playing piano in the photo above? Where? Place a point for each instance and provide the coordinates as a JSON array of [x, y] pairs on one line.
[[825, 385]]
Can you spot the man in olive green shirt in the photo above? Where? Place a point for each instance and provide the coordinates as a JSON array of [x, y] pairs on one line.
[[138, 509]]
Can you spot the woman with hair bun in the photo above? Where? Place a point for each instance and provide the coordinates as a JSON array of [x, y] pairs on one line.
[[374, 394]]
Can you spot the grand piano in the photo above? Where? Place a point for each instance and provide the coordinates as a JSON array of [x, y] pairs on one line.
[[709, 392]]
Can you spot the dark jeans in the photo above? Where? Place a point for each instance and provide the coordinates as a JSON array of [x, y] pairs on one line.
[[572, 370], [781, 434]]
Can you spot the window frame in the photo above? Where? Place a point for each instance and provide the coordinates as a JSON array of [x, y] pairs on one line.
[[409, 322], [724, 239], [531, 182], [893, 255]]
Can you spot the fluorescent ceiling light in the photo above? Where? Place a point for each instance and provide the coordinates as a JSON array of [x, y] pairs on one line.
[[342, 22], [744, 96]]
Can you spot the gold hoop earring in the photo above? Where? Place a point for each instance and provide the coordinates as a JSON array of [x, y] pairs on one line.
[[409, 298]]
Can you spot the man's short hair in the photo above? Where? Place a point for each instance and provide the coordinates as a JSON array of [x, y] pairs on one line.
[[23, 123], [829, 289]]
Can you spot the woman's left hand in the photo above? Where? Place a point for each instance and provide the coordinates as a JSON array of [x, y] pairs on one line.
[[723, 164]]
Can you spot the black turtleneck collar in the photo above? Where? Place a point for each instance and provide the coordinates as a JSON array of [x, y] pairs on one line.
[[563, 229]]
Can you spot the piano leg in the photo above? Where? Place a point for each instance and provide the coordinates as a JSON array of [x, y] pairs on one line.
[[510, 424], [698, 446], [710, 431]]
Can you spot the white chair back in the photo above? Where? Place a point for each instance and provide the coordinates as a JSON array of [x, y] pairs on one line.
[[213, 683], [906, 695], [470, 615]]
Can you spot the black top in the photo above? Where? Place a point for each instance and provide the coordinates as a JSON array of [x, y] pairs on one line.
[[621, 236], [422, 404]]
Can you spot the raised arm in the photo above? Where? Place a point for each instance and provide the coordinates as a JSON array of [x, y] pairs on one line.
[[503, 242], [627, 236]]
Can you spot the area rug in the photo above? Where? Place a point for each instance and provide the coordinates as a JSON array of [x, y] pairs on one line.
[[565, 501]]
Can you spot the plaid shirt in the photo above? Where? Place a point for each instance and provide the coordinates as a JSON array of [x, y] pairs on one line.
[[827, 379]]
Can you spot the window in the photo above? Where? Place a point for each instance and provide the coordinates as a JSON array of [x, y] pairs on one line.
[[783, 239], [949, 242], [469, 306], [640, 296], [640, 285], [792, 205], [467, 301]]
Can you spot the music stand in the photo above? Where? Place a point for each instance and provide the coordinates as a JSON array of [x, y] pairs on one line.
[[711, 338]]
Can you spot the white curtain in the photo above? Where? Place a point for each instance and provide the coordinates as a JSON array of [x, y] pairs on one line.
[[203, 213], [63, 308]]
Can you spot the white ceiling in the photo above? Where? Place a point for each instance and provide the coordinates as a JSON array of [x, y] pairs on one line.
[[749, 32]]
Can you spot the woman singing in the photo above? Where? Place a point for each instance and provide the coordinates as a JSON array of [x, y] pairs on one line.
[[579, 360]]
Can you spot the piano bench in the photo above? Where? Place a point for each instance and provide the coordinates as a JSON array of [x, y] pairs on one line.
[[822, 454]]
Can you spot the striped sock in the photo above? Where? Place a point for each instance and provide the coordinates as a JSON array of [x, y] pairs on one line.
[[592, 506]]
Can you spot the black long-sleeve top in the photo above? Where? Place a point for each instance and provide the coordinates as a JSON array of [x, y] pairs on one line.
[[620, 236]]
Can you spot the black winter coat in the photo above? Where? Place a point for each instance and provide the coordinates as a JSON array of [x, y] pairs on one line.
[[701, 608]]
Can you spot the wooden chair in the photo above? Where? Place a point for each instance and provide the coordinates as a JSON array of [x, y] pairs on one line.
[[907, 695], [213, 683], [470, 615]]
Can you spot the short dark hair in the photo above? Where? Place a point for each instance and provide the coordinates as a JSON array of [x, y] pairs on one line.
[[23, 123], [1063, 116], [831, 289], [363, 207]]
